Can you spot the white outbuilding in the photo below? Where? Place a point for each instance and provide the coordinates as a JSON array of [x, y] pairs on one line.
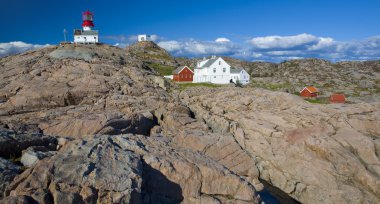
[[143, 38]]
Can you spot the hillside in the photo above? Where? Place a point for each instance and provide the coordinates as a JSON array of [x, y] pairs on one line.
[[98, 124], [359, 81]]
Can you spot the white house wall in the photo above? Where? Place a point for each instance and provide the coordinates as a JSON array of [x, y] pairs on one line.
[[242, 77], [207, 74], [86, 39]]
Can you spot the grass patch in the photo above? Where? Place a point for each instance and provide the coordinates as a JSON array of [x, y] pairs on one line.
[[273, 87], [162, 69], [318, 100], [183, 86]]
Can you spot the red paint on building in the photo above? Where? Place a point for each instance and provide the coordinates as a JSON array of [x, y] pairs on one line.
[[88, 18], [183, 74], [309, 92], [337, 98]]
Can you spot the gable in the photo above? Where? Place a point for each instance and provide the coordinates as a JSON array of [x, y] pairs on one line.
[[180, 69], [310, 89]]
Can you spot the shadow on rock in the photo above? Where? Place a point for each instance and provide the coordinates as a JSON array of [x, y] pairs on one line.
[[157, 188]]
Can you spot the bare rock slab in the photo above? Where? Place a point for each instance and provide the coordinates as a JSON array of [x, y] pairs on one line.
[[129, 169]]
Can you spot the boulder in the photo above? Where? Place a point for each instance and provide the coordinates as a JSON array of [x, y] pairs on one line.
[[32, 155]]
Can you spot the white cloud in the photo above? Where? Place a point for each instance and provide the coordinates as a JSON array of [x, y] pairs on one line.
[[222, 40], [196, 48], [279, 48], [171, 46], [17, 47], [283, 42], [322, 44]]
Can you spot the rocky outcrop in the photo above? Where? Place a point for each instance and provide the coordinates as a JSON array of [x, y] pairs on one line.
[[129, 169], [108, 93], [150, 52], [311, 152]]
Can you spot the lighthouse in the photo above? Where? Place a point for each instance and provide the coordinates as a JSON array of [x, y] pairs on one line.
[[86, 35]]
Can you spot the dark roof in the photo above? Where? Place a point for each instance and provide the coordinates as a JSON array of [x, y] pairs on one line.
[[235, 70], [210, 62], [86, 32], [179, 69]]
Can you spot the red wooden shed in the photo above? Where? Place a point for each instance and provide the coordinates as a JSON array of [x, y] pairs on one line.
[[309, 92], [183, 74], [337, 98]]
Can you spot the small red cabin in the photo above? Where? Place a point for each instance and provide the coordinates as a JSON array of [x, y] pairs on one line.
[[183, 74], [309, 92], [337, 98]]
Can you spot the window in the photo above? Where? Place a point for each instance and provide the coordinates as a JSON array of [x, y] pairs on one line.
[[95, 38], [214, 70], [214, 77], [220, 62], [224, 69]]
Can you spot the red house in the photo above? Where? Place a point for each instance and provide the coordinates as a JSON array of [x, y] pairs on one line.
[[309, 92], [337, 98], [183, 74]]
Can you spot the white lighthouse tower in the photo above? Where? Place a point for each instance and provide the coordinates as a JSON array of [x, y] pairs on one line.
[[86, 35]]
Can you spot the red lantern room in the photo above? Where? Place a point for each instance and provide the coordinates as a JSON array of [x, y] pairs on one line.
[[88, 18]]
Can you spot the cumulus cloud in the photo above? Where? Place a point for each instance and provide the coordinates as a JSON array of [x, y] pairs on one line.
[[17, 47], [283, 42], [198, 48], [278, 48], [222, 40]]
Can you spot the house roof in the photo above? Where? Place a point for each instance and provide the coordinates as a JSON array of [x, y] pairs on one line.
[[235, 70], [209, 62], [86, 32], [311, 89], [179, 69]]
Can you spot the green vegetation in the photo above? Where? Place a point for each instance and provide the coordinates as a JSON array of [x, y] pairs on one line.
[[318, 100], [273, 87], [162, 69], [183, 86]]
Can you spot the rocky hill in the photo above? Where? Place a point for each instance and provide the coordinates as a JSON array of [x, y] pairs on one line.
[[97, 124], [359, 81]]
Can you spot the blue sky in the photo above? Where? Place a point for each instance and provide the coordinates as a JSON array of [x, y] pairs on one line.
[[271, 30]]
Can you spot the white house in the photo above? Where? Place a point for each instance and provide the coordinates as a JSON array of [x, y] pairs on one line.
[[142, 38], [216, 70], [87, 35], [238, 74]]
